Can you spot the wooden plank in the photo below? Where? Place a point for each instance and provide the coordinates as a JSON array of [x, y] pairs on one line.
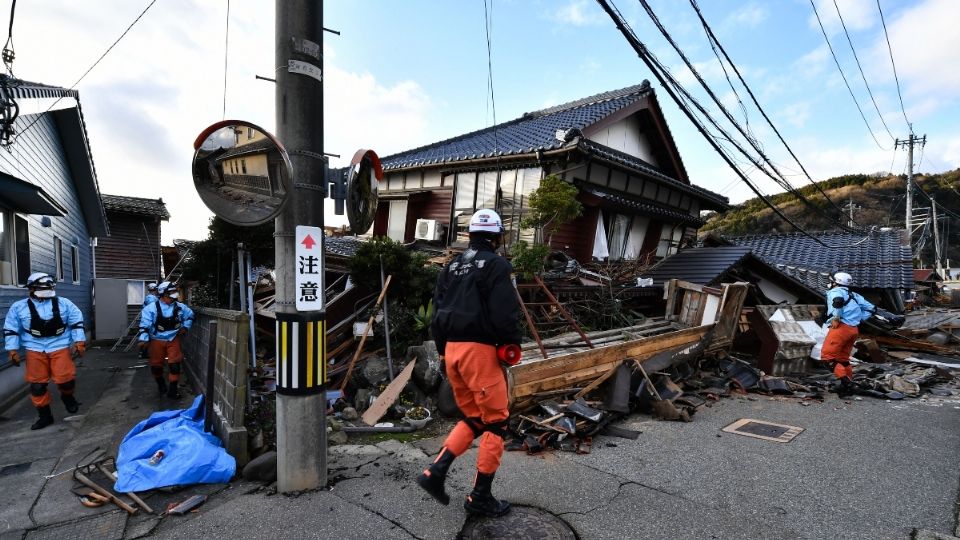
[[533, 371], [597, 382], [389, 396]]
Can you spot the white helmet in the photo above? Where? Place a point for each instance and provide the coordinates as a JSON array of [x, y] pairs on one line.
[[486, 221], [152, 287], [166, 287], [842, 278], [40, 280]]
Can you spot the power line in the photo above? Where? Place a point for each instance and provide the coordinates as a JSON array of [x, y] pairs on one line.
[[859, 67], [671, 86], [892, 63], [776, 175], [8, 54], [72, 86], [845, 81], [226, 56], [713, 39]]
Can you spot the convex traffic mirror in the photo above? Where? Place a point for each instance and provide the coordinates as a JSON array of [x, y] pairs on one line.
[[365, 171], [241, 172]]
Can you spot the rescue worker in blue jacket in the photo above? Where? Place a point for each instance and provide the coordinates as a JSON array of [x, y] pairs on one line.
[[51, 331], [162, 324], [150, 298]]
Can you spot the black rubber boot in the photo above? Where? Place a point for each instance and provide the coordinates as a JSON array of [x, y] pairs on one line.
[[433, 477], [172, 391], [480, 501], [844, 388], [70, 403], [46, 418], [161, 385]]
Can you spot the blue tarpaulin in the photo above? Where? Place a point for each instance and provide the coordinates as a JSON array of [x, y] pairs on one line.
[[189, 456]]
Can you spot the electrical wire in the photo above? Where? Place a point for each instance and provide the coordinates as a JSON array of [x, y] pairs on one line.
[[859, 67], [845, 81], [775, 175], [893, 64], [713, 39], [85, 73], [226, 56], [8, 53], [671, 86]]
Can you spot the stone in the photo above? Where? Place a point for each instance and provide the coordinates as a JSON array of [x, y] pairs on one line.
[[426, 372], [337, 437], [349, 414], [333, 424], [374, 371], [262, 468]]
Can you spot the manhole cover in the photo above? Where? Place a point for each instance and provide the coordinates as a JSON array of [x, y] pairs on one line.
[[107, 526], [522, 523], [767, 431]]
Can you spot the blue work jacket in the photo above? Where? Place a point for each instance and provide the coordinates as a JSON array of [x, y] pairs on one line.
[[148, 320], [151, 298], [16, 327], [853, 312]]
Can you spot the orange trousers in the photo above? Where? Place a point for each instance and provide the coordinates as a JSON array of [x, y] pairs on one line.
[[838, 346], [159, 350], [41, 367], [480, 388]]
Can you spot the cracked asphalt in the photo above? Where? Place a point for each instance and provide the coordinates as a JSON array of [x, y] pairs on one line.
[[861, 469]]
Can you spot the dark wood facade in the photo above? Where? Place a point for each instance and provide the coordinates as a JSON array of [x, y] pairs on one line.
[[132, 251]]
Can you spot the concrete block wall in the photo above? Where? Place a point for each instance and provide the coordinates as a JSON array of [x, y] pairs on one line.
[[221, 338]]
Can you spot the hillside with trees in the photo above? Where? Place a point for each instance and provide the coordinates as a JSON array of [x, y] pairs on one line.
[[881, 201]]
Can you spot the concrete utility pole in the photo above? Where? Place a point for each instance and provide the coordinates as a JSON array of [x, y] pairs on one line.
[[301, 416], [851, 207], [912, 141], [936, 237]]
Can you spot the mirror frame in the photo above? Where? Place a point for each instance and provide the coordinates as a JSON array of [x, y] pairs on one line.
[[286, 179]]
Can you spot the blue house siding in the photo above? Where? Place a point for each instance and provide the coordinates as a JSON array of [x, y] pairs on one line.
[[38, 156]]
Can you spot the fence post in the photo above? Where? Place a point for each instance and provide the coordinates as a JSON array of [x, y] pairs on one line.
[[208, 398]]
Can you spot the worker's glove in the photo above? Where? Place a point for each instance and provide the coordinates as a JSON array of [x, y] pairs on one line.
[[79, 348], [142, 345], [14, 357]]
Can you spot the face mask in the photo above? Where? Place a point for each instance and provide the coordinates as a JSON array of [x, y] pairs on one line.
[[47, 293], [174, 295]]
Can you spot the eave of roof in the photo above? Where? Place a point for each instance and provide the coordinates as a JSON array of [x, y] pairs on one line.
[[136, 205]]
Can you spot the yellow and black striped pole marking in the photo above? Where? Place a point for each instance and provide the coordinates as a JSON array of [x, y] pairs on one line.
[[301, 354]]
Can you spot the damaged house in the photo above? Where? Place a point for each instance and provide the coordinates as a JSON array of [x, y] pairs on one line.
[[638, 201]]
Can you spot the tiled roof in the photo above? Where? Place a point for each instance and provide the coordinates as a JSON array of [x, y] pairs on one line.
[[643, 207], [876, 261], [136, 205], [345, 246], [703, 266], [538, 131], [925, 274], [532, 131]]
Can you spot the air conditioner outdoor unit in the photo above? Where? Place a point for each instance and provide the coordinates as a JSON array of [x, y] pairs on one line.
[[427, 229]]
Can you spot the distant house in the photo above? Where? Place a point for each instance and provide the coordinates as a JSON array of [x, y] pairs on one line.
[[615, 147], [50, 209], [880, 262], [126, 261]]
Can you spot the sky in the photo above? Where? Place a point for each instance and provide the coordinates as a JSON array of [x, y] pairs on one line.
[[405, 74]]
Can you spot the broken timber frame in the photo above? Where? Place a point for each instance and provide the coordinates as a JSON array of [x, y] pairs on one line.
[[701, 312]]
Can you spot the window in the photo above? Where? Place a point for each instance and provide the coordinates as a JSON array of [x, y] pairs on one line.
[[75, 264], [58, 258], [617, 232], [243, 165], [21, 232], [6, 248], [397, 220], [249, 133], [134, 293]]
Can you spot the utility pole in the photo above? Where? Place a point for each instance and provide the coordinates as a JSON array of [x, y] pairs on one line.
[[301, 415], [851, 207], [912, 141], [936, 236]]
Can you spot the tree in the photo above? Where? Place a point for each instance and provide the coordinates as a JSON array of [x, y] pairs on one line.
[[551, 205]]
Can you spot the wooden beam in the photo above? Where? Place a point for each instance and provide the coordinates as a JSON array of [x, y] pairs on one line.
[[388, 397], [598, 381]]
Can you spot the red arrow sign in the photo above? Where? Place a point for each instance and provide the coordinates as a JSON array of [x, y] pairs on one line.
[[309, 242]]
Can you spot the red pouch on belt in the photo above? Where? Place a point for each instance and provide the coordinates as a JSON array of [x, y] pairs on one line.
[[509, 354]]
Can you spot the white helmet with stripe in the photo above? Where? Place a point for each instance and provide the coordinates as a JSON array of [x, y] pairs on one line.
[[486, 221]]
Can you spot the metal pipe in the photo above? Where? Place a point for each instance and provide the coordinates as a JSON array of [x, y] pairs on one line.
[[378, 429], [250, 309], [386, 322]]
